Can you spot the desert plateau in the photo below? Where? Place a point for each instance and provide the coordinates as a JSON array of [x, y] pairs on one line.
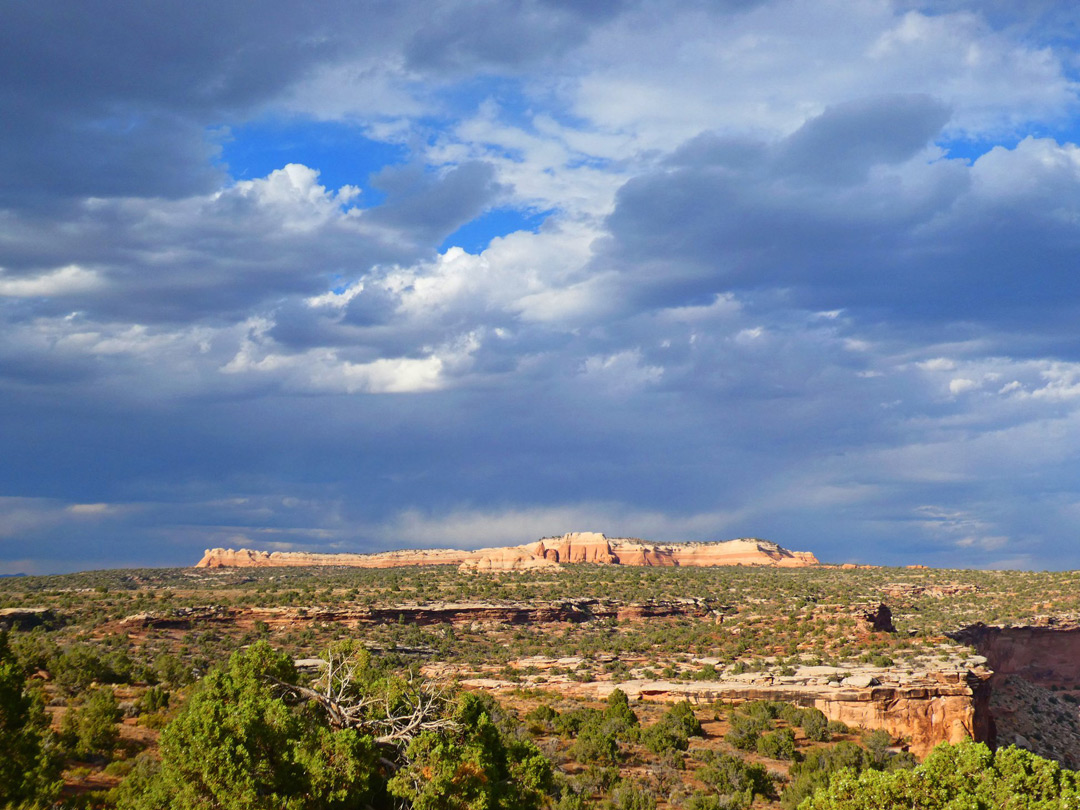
[[682, 674]]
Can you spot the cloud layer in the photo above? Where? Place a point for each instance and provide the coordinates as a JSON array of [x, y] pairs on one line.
[[799, 270]]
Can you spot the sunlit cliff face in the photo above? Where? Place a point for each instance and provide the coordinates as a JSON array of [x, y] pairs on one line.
[[575, 547]]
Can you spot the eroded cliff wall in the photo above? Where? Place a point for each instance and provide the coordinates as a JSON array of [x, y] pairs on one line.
[[1047, 655], [924, 708], [575, 547]]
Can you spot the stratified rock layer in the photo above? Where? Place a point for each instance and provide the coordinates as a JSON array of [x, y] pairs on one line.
[[574, 611], [551, 552], [923, 708]]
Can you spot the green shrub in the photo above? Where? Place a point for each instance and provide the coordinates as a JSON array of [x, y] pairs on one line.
[[778, 744], [764, 710], [628, 795], [745, 732], [29, 769], [618, 708], [661, 738], [90, 731], [955, 776], [152, 700], [814, 725], [699, 800], [731, 777], [682, 716], [595, 746]]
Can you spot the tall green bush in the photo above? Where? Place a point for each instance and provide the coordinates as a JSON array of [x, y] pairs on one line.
[[28, 765]]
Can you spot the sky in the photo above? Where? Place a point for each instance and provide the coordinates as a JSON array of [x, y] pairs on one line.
[[362, 276]]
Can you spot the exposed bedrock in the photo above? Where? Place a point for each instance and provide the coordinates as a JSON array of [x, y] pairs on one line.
[[1035, 685], [549, 553], [456, 613], [1045, 654], [924, 708]]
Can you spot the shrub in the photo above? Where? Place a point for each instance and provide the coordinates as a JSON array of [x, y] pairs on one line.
[[238, 745], [952, 776], [618, 708], [745, 732], [628, 795], [541, 719], [777, 744], [661, 738], [28, 768], [814, 725], [595, 746], [80, 665], [152, 700], [682, 716], [729, 776], [765, 710], [699, 800], [90, 731]]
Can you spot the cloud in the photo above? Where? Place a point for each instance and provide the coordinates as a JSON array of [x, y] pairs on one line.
[[64, 281], [792, 269], [432, 206], [725, 214], [843, 143]]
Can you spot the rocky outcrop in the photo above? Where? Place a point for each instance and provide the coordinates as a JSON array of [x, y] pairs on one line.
[[575, 547], [456, 613], [875, 619], [1046, 654], [911, 590], [27, 618], [250, 558], [507, 559], [922, 707]]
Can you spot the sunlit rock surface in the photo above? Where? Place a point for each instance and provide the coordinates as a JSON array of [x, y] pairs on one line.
[[551, 552]]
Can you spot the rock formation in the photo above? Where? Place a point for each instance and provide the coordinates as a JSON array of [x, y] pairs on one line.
[[1046, 654], [923, 707], [455, 613], [249, 558], [27, 618], [551, 552], [875, 619], [910, 590]]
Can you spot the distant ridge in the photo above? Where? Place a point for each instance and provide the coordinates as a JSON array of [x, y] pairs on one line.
[[549, 553]]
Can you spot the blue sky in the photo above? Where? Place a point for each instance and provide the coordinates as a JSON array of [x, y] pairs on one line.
[[472, 273]]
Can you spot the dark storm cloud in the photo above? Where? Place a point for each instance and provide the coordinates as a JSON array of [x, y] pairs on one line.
[[189, 361], [842, 144], [115, 98], [124, 98], [505, 34], [430, 206], [834, 215]]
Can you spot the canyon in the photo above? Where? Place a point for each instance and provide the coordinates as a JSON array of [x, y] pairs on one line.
[[549, 553], [1035, 685]]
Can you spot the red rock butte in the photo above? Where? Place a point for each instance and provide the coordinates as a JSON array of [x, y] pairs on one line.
[[549, 553]]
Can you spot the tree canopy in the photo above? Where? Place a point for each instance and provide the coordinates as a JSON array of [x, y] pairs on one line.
[[252, 738], [28, 764], [967, 776]]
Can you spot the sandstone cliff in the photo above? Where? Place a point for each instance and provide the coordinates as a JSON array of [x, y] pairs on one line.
[[924, 707], [551, 552], [250, 558]]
